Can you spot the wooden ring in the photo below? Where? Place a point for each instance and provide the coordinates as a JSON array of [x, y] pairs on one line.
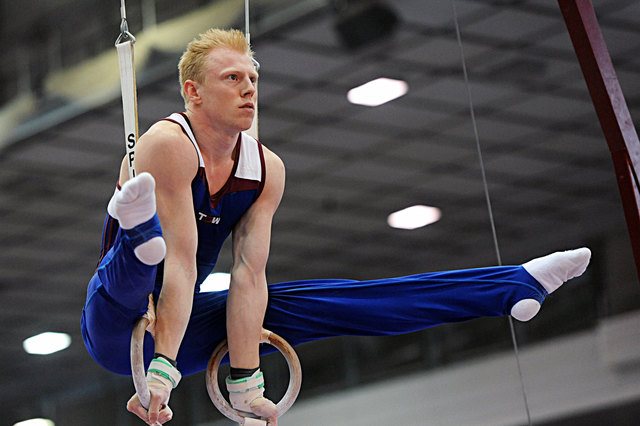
[[137, 362], [295, 376]]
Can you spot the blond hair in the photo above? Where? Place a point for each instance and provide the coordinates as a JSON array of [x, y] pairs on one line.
[[193, 60]]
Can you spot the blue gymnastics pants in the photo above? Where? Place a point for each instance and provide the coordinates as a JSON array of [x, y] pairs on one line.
[[299, 311]]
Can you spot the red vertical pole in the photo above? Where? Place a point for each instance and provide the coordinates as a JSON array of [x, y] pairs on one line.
[[610, 106]]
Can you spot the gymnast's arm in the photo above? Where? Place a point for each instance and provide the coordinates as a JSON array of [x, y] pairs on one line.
[[172, 160], [247, 298]]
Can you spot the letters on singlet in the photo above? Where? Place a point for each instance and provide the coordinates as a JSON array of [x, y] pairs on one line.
[[202, 217]]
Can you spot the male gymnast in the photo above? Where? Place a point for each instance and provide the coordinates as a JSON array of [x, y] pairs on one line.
[[226, 181]]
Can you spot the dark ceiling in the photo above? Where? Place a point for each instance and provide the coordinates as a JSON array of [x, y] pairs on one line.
[[550, 177]]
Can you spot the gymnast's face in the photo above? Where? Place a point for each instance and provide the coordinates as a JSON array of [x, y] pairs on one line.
[[228, 94]]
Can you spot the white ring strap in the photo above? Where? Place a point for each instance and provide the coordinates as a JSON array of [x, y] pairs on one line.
[[129, 100]]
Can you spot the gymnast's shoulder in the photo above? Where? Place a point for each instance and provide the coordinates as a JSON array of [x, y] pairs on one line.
[[274, 167], [165, 144]]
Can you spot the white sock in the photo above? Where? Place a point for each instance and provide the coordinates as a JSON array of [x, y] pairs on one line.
[[525, 309], [551, 272], [151, 252], [555, 269], [135, 203]]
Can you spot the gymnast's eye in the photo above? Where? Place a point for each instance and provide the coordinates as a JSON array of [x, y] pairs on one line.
[[233, 77]]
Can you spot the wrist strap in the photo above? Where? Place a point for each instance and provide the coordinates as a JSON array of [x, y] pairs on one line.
[[244, 391], [160, 370], [173, 362]]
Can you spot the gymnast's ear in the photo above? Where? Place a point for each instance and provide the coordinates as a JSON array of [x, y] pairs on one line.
[[191, 91]]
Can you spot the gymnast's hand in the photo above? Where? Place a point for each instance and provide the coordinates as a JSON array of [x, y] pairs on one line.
[[159, 412]]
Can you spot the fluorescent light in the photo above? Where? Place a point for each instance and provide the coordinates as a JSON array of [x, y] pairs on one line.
[[377, 92], [46, 343], [414, 217], [217, 281], [35, 422]]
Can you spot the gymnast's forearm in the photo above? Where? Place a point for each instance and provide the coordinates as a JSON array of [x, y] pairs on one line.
[[246, 305], [173, 310]]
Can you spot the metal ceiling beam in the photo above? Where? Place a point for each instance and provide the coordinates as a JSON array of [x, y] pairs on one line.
[[611, 108]]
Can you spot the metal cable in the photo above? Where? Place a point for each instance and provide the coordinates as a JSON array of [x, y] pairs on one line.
[[124, 26], [247, 33], [488, 200]]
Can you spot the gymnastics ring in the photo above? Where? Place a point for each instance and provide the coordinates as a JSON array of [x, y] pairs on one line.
[[295, 379], [137, 361]]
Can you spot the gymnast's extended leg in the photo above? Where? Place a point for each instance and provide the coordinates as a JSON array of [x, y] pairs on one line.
[[308, 310]]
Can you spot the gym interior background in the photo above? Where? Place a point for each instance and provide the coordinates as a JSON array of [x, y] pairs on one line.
[[549, 172]]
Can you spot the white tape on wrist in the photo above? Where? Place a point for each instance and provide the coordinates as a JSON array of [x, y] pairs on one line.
[[243, 391], [162, 371]]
